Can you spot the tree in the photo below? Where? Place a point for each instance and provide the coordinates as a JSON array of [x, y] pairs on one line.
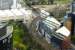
[[50, 1]]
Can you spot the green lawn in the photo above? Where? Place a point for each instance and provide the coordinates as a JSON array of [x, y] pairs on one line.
[[18, 34]]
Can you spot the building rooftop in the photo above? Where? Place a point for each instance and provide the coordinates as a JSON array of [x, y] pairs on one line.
[[51, 22], [13, 14], [64, 31]]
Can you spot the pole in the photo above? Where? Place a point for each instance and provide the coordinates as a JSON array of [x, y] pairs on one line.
[[73, 22]]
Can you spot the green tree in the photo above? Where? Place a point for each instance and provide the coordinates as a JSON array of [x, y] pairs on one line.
[[51, 1]]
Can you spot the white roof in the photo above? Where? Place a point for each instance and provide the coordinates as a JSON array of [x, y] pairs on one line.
[[2, 14], [64, 31], [52, 22], [12, 14], [9, 31], [2, 25], [44, 12], [16, 12], [8, 13], [23, 10]]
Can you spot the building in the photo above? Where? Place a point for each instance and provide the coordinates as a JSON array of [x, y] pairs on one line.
[[62, 38], [49, 28], [5, 36], [8, 4]]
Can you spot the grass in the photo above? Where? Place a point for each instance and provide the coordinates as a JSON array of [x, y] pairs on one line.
[[18, 34]]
